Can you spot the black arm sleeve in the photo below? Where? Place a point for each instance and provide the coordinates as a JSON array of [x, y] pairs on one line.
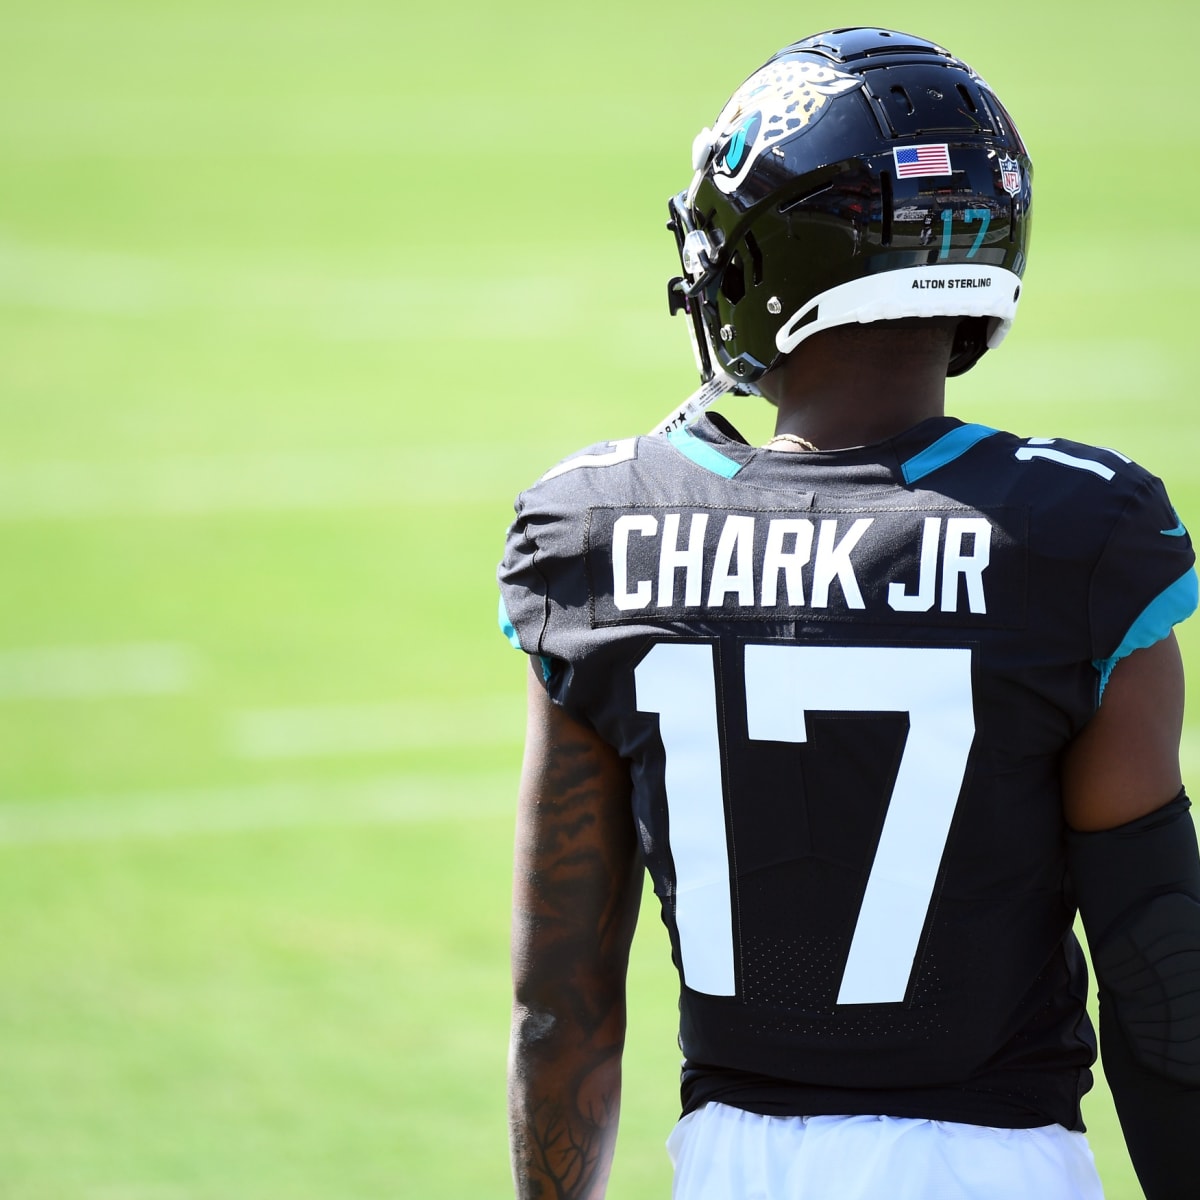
[[1160, 1118], [1138, 888]]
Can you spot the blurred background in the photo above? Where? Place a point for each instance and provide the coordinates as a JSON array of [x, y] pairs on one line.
[[294, 298]]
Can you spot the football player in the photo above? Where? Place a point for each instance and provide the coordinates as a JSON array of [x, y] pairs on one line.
[[879, 705]]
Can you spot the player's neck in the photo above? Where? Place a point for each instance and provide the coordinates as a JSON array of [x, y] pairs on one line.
[[837, 417], [857, 387]]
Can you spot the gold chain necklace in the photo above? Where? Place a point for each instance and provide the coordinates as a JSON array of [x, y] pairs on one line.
[[803, 443]]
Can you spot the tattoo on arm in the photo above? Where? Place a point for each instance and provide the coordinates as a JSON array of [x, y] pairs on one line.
[[576, 889], [569, 1156]]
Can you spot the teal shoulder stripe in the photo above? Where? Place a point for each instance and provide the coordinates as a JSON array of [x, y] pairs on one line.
[[506, 626], [1172, 605], [945, 450], [702, 454]]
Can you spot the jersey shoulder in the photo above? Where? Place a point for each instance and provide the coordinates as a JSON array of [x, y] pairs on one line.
[[602, 473], [1050, 469], [1080, 495], [543, 574], [1096, 507]]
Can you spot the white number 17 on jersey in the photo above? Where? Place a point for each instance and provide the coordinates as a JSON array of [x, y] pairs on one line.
[[783, 682]]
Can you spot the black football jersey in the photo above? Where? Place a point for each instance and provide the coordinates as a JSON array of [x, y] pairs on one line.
[[843, 682]]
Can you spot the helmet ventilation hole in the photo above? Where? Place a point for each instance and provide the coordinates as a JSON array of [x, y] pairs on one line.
[[804, 319], [968, 99], [756, 260], [733, 280], [904, 96]]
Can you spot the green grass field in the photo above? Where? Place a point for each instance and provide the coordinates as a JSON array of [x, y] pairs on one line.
[[294, 298]]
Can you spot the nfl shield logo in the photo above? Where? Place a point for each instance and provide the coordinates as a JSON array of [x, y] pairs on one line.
[[1010, 175]]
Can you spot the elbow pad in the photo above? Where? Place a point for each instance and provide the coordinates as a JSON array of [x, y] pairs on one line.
[[1138, 890]]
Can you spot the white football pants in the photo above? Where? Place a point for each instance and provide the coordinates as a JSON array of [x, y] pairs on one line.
[[724, 1153]]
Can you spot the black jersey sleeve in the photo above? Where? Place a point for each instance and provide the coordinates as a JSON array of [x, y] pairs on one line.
[[545, 594], [532, 585], [1144, 582]]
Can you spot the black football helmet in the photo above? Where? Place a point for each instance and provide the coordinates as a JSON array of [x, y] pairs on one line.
[[859, 175]]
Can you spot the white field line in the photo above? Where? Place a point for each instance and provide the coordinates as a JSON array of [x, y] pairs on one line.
[[336, 730], [383, 800], [201, 485], [87, 672], [537, 301]]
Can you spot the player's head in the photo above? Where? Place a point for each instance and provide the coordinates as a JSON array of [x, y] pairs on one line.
[[860, 175]]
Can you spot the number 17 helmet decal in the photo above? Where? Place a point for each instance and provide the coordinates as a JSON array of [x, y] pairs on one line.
[[860, 175]]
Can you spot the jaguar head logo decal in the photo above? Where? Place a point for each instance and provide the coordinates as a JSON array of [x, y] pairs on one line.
[[781, 99]]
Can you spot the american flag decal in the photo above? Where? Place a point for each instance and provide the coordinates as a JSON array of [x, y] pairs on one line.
[[922, 160]]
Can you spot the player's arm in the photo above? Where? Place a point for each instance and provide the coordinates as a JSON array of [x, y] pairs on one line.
[[577, 884], [1133, 858]]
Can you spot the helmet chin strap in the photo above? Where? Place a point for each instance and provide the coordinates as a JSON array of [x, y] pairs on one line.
[[694, 405]]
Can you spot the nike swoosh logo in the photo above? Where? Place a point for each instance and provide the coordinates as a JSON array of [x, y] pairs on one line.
[[1178, 531]]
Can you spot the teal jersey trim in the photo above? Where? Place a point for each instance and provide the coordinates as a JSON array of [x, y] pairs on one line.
[[1172, 605], [506, 627], [945, 450], [702, 454]]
